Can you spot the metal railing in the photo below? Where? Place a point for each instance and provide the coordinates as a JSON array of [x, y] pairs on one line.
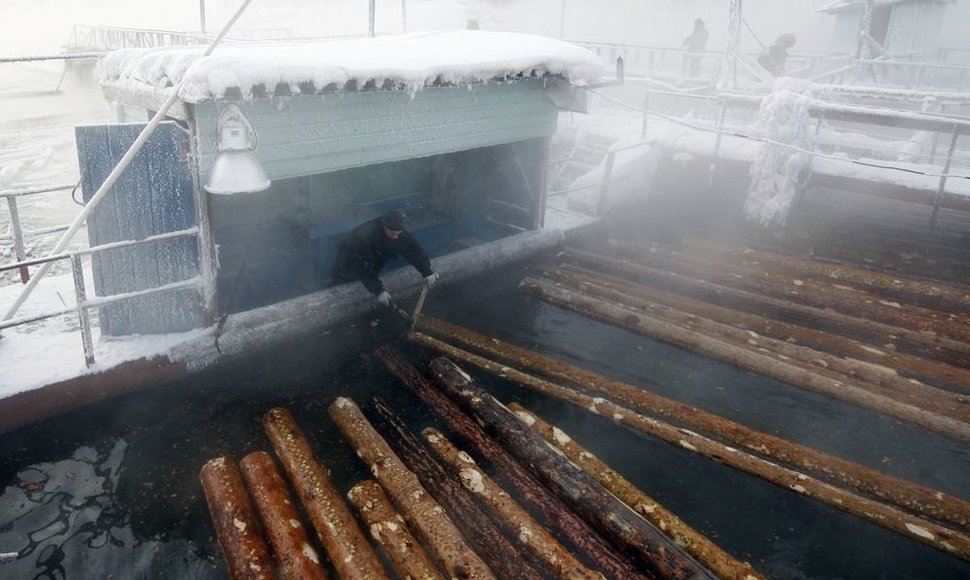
[[83, 303], [17, 233]]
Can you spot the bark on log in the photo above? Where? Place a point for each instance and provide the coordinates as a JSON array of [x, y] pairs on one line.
[[479, 531], [937, 295], [605, 512], [516, 520], [391, 533], [247, 556], [851, 372], [695, 543], [568, 525], [916, 498], [350, 553], [925, 531], [883, 335], [433, 526], [295, 558], [824, 295], [742, 358], [881, 360]]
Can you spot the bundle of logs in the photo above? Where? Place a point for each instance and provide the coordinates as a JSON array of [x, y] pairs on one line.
[[434, 512]]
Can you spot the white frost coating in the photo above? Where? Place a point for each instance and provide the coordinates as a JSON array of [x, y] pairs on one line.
[[391, 526], [526, 418], [799, 488], [921, 532], [240, 525], [310, 553], [466, 457], [686, 445], [560, 437], [472, 479], [525, 534], [778, 173], [593, 405], [294, 523], [413, 60]]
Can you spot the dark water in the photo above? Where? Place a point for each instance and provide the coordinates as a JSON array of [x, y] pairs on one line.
[[111, 490]]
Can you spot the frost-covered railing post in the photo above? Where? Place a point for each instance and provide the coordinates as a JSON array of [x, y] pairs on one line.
[[941, 188], [84, 320], [729, 75], [605, 187]]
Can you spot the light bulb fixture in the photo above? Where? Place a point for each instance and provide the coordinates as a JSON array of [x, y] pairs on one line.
[[236, 169]]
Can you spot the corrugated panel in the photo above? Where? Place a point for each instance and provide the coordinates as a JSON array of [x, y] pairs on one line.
[[307, 135]]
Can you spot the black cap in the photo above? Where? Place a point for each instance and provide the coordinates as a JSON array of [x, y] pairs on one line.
[[394, 220]]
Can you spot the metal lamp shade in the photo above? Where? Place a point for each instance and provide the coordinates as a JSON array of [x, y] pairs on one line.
[[236, 172]]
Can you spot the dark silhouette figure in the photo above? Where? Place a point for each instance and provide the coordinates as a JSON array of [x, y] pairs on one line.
[[696, 45], [773, 58]]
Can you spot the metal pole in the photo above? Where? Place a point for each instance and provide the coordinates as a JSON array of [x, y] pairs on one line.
[[865, 30], [118, 170], [562, 20], [82, 312], [646, 115], [17, 231], [404, 15], [729, 78], [605, 187], [202, 15], [941, 189], [371, 9]]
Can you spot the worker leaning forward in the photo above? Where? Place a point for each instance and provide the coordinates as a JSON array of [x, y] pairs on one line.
[[365, 250]]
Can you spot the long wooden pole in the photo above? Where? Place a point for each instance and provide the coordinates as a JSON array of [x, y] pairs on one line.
[[942, 538], [882, 361], [568, 525], [651, 549], [857, 374], [478, 530], [914, 497], [743, 358], [427, 517], [695, 543], [391, 532], [885, 335], [350, 552], [246, 552], [296, 559], [513, 517]]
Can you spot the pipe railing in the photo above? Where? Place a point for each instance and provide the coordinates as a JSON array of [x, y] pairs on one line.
[[17, 234], [83, 303]]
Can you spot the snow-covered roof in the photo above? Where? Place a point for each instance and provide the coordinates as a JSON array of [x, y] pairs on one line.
[[837, 5], [411, 61]]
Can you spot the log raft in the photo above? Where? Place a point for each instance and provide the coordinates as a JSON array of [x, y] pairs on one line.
[[427, 517], [295, 558], [916, 498], [514, 517], [647, 545], [391, 532], [566, 523], [349, 551], [246, 552]]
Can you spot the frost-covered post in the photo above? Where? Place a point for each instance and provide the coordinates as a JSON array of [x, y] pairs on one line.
[[865, 31], [371, 8], [729, 74]]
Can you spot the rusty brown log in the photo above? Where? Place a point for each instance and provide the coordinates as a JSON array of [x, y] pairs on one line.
[[243, 545], [424, 514], [882, 362], [786, 372], [568, 525], [614, 519], [514, 518], [479, 531], [934, 294], [350, 553], [391, 533], [881, 334], [846, 370], [925, 531], [295, 558], [695, 543], [916, 498]]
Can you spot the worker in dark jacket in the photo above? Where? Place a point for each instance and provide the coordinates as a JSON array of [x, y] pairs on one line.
[[773, 58], [372, 244]]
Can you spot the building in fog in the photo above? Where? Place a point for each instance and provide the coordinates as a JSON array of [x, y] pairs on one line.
[[900, 26]]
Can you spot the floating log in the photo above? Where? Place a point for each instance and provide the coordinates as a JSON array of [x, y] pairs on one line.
[[787, 285], [849, 371], [568, 525], [882, 362], [247, 556], [515, 518], [925, 531], [636, 536], [391, 533], [746, 359], [295, 557], [424, 514], [350, 552], [940, 296], [479, 531], [693, 542], [914, 497], [884, 335]]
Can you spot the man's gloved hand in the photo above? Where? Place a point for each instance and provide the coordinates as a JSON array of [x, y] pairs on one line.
[[431, 279], [384, 299]]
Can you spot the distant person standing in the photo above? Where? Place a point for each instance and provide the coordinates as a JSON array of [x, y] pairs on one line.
[[773, 58], [696, 45]]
